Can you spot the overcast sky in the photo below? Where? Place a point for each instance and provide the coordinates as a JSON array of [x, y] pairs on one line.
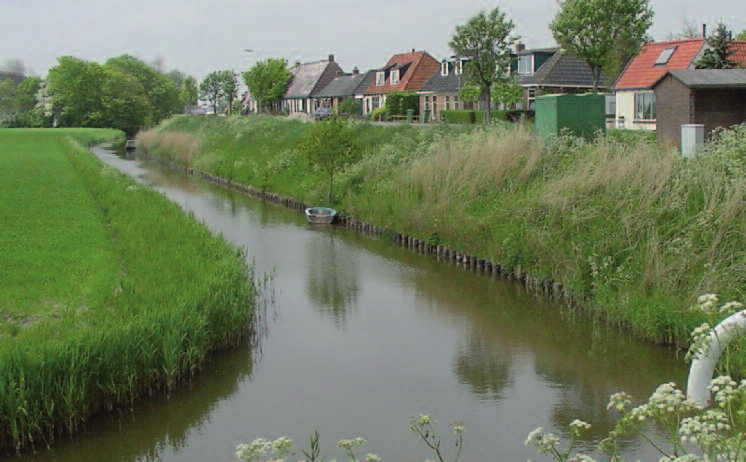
[[200, 36]]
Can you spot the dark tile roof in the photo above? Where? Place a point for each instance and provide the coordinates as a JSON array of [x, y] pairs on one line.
[[709, 78], [562, 70], [345, 85], [306, 76], [439, 83]]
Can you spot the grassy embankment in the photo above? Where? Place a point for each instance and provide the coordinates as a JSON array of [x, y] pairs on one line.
[[634, 231], [108, 289]]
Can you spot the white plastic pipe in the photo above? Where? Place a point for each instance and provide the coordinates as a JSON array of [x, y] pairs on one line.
[[703, 365]]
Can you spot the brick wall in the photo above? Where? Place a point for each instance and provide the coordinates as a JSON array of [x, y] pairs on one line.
[[719, 108], [673, 109]]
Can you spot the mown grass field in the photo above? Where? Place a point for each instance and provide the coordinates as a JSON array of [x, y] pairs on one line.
[[108, 289], [634, 231]]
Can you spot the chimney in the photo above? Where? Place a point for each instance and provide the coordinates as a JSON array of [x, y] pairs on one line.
[[519, 47], [297, 64], [704, 30], [355, 71], [331, 58]]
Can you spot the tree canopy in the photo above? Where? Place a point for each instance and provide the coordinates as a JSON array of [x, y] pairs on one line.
[[189, 93], [719, 51], [330, 145], [742, 35], [486, 41], [267, 80], [212, 89], [593, 29], [230, 88]]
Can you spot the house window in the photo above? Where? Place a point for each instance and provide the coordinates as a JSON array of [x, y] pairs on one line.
[[395, 76], [644, 105], [444, 68], [448, 102], [459, 67], [526, 65], [376, 102], [380, 78], [665, 55], [427, 99], [531, 98]]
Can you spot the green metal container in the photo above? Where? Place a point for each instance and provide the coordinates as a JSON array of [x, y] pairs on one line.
[[582, 115], [410, 115]]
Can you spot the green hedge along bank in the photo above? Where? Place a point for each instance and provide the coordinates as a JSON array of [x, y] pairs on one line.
[[633, 231], [109, 290]]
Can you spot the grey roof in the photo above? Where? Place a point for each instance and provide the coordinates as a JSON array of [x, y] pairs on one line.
[[710, 78], [344, 85], [439, 83], [532, 51], [562, 70], [305, 78]]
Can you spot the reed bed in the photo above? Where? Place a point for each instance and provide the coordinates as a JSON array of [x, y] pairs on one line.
[[171, 293], [633, 231]]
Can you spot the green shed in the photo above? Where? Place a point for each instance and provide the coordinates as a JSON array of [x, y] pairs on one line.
[[583, 114]]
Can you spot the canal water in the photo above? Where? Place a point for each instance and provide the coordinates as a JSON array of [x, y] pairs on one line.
[[362, 335]]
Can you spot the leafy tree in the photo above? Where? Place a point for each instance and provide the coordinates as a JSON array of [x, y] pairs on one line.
[[189, 94], [507, 93], [268, 80], [177, 77], [330, 145], [469, 93], [486, 40], [742, 36], [162, 93], [689, 30], [591, 29], [7, 96], [212, 89], [75, 86], [125, 102], [230, 88], [717, 55], [13, 66], [351, 105], [397, 103]]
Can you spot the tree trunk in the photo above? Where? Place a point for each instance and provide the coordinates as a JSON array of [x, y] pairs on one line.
[[486, 98]]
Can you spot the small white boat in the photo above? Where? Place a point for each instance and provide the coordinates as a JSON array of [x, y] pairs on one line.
[[320, 215]]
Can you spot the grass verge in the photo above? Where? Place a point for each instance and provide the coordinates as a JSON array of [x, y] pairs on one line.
[[113, 291]]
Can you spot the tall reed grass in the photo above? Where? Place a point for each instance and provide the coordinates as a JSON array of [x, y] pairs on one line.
[[634, 231], [179, 293]]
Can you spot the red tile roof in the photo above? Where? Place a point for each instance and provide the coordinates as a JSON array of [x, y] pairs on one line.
[[418, 65], [642, 72]]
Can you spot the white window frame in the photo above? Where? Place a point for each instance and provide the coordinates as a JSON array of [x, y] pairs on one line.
[[526, 65], [395, 76], [444, 68], [645, 105], [380, 78]]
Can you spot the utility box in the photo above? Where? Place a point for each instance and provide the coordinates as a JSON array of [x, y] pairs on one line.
[[692, 139], [582, 115]]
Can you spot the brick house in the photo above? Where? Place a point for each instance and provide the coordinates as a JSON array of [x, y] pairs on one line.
[[308, 80], [441, 91], [551, 71], [344, 86], [403, 72], [713, 98], [636, 106]]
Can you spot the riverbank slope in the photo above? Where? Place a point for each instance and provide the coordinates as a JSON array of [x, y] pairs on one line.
[[635, 233], [109, 290]]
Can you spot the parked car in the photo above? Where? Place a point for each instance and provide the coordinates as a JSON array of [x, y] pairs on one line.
[[322, 113]]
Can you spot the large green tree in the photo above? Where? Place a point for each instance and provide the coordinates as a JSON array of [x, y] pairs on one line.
[[330, 145], [593, 29], [161, 91], [267, 81], [742, 36], [189, 94], [125, 102], [212, 89], [486, 41], [75, 86], [719, 51], [230, 88]]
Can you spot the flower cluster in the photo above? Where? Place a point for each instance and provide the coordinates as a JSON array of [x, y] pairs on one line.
[[279, 449]]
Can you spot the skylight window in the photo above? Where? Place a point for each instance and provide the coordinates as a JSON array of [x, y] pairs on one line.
[[665, 55]]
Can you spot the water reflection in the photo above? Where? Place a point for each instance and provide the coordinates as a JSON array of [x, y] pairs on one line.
[[332, 281], [484, 367]]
